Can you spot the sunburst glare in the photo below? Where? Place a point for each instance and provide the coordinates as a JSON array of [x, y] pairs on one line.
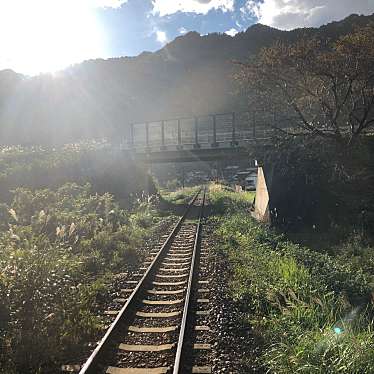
[[48, 35]]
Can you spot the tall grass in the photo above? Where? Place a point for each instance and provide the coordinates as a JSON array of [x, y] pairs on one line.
[[59, 250], [224, 200], [311, 312]]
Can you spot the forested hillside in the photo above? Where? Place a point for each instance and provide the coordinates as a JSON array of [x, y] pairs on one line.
[[190, 75]]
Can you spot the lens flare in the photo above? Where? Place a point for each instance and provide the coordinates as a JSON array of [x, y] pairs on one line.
[[48, 35]]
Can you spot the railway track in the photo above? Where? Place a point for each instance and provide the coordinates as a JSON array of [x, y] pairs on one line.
[[156, 330]]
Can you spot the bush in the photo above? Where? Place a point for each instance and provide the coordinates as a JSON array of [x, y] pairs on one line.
[[105, 169]]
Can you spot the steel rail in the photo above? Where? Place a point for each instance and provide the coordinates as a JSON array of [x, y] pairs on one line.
[[91, 366], [178, 358]]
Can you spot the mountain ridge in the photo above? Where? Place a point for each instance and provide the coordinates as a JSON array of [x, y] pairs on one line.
[[191, 75]]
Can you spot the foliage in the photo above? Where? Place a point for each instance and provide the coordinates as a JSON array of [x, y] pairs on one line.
[[58, 250], [320, 162], [318, 87], [106, 169], [311, 312], [223, 199], [180, 196]]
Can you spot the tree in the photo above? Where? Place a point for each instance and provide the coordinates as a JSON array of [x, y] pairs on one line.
[[316, 87]]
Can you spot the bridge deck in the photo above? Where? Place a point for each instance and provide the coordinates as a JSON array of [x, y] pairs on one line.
[[222, 151]]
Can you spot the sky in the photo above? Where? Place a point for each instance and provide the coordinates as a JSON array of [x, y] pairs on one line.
[[38, 36]]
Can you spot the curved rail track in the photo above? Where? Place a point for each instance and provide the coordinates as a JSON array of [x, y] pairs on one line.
[[152, 332]]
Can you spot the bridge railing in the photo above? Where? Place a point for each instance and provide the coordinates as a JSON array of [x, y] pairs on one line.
[[201, 131]]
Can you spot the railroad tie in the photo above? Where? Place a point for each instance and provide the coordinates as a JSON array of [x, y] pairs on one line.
[[180, 251], [178, 255], [152, 329], [168, 259], [163, 302], [202, 312], [159, 370], [146, 347], [202, 290], [202, 370], [202, 346], [202, 328], [203, 301], [174, 269], [111, 312], [171, 276], [127, 290], [158, 314], [176, 264], [158, 292], [70, 368], [120, 300], [161, 284]]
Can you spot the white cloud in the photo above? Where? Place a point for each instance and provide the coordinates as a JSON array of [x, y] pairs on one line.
[[231, 32], [182, 30], [290, 14], [161, 36], [167, 7]]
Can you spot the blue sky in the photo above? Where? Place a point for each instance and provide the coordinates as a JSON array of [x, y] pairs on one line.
[[48, 35], [136, 27]]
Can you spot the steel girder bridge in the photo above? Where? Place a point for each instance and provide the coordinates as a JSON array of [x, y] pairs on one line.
[[212, 137]]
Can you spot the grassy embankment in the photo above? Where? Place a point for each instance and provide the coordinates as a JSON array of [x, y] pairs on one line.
[[310, 311], [60, 248]]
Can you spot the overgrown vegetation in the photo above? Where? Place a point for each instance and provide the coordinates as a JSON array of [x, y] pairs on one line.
[[223, 200], [310, 311], [321, 92], [58, 251], [62, 240], [106, 169], [181, 196]]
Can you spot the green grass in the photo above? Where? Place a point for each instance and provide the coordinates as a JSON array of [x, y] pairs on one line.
[[223, 199], [181, 196], [310, 311]]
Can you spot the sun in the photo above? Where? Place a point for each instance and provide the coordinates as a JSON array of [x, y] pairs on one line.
[[39, 36]]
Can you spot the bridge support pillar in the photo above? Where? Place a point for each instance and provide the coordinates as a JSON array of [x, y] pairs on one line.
[[147, 135], [233, 136], [163, 147], [214, 144], [131, 137], [196, 145], [179, 145]]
